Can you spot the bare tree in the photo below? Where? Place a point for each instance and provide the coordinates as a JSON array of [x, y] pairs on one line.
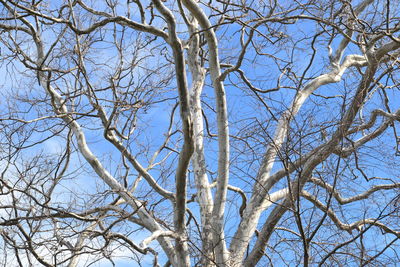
[[185, 133]]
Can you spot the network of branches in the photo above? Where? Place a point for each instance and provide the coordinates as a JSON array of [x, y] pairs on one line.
[[199, 133]]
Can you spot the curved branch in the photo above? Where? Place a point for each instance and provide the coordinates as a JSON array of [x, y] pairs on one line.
[[60, 108], [265, 181], [364, 195], [155, 235], [111, 136], [344, 226], [124, 21]]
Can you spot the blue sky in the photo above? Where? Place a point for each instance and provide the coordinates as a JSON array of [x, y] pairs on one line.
[[247, 116]]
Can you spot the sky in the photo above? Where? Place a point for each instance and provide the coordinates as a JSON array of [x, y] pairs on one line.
[[247, 116]]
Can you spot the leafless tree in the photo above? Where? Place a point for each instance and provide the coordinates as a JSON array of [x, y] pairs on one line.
[[199, 133]]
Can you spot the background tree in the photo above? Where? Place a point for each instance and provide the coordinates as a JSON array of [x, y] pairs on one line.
[[192, 133]]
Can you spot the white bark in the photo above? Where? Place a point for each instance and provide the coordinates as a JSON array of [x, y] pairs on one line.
[[320, 156], [264, 182], [222, 253], [154, 236], [266, 193], [78, 245], [61, 109], [204, 196]]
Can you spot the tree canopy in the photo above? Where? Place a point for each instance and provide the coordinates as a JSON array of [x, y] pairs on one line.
[[199, 133]]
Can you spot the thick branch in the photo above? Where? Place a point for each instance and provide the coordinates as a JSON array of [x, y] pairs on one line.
[[223, 132], [187, 149], [265, 181]]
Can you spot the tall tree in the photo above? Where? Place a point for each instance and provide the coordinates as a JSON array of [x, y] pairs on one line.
[[192, 133]]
